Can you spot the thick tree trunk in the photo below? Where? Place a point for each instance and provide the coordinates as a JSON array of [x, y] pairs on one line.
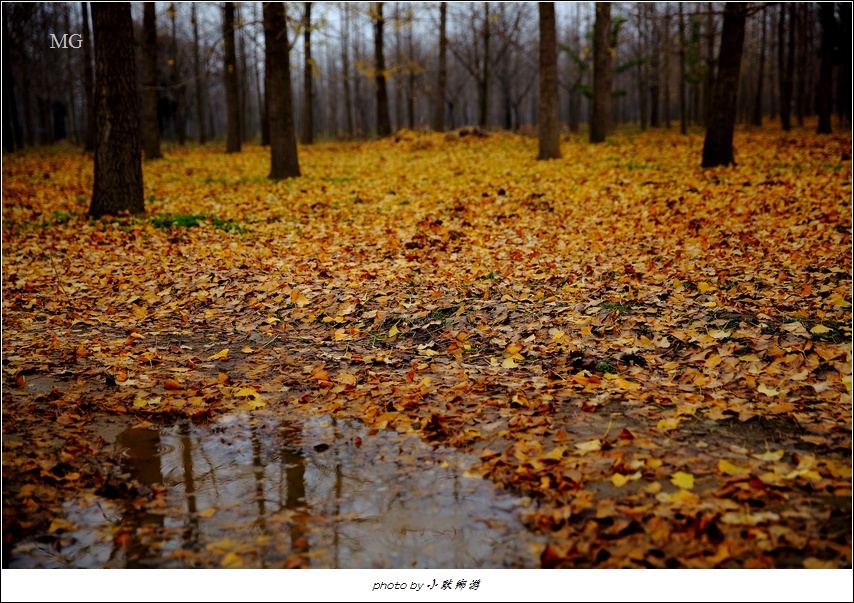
[[845, 38], [717, 148], [825, 77], [88, 82], [483, 83], [200, 111], [383, 121], [441, 86], [601, 73], [232, 99], [118, 169], [284, 162], [150, 128], [549, 122], [308, 103], [786, 64], [260, 94]]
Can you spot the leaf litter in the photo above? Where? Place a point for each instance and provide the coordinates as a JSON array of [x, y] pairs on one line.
[[657, 356]]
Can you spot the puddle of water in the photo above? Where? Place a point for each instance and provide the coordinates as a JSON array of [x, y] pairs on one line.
[[264, 492]]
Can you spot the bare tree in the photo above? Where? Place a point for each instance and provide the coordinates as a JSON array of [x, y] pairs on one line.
[[177, 85], [284, 162], [601, 73], [383, 121], [118, 169], [717, 148], [200, 105], [307, 109], [150, 127], [825, 78], [441, 86], [549, 122], [232, 101], [88, 81]]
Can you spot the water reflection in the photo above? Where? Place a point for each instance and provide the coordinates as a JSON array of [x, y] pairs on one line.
[[266, 492]]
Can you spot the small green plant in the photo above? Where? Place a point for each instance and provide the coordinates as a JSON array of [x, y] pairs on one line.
[[618, 307], [605, 367]]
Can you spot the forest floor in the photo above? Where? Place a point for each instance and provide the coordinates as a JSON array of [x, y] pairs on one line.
[[653, 358]]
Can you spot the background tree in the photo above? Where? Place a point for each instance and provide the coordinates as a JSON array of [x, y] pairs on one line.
[[88, 81], [232, 100], [442, 80], [825, 78], [717, 147], [307, 113], [383, 120], [549, 122], [199, 73], [150, 128], [176, 76], [601, 73], [284, 162], [118, 168]]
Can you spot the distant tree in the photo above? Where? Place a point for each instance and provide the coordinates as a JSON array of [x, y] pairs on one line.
[[827, 19], [284, 162], [549, 122], [307, 109], [383, 120], [232, 101], [177, 85], [717, 148], [11, 127], [199, 73], [88, 82], [345, 67], [760, 76], [118, 167], [601, 118], [441, 86], [150, 129]]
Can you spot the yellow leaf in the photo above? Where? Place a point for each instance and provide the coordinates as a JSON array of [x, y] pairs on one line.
[[207, 512], [713, 361], [764, 389], [719, 334], [139, 312], [556, 454], [393, 331], [669, 424], [627, 384], [680, 479], [509, 363], [346, 378], [247, 350], [247, 391], [728, 468], [619, 480], [299, 299], [589, 446], [704, 287], [819, 329], [769, 456], [221, 355]]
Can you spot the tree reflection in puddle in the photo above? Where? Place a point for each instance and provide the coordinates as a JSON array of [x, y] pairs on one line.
[[265, 492]]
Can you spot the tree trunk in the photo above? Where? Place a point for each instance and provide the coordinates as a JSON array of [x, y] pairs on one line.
[[383, 121], [259, 95], [654, 69], [549, 122], [667, 48], [410, 68], [757, 104], [118, 168], [683, 118], [232, 100], [88, 81], [786, 61], [825, 76], [307, 114], [200, 112], [441, 87], [709, 79], [717, 148], [483, 84], [601, 73], [70, 83], [345, 65], [845, 38], [150, 128], [283, 141], [177, 86], [10, 111]]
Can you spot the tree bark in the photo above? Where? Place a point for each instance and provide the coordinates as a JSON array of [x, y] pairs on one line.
[[760, 77], [88, 81], [150, 128], [284, 162], [825, 76], [786, 61], [232, 101], [118, 167], [307, 114], [683, 118], [441, 86], [601, 73], [483, 84], [177, 86], [345, 67], [383, 121], [549, 122], [10, 110], [200, 111], [717, 148]]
